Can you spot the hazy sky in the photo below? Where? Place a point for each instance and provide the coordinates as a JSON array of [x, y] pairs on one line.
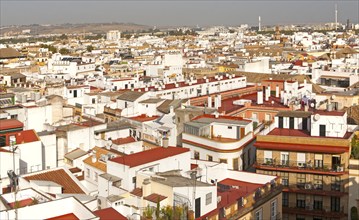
[[170, 12]]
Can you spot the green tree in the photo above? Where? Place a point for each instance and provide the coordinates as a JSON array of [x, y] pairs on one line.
[[355, 147], [64, 51], [90, 48]]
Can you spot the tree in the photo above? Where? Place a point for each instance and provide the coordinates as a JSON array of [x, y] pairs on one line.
[[90, 48], [63, 37], [50, 47], [355, 147], [64, 51]]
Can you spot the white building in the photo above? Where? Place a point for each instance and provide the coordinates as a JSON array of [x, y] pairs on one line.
[[113, 35]]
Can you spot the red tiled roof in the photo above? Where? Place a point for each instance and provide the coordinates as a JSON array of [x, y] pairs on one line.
[[300, 133], [154, 197], [10, 124], [26, 136], [301, 148], [59, 176], [137, 192], [148, 156], [144, 118], [109, 214], [221, 117], [70, 216], [125, 140], [289, 132], [21, 203], [237, 190], [193, 166]]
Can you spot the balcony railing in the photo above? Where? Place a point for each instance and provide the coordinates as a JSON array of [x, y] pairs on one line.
[[315, 207], [328, 167]]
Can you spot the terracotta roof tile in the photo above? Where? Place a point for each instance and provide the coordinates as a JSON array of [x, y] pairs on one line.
[[148, 156], [137, 192], [109, 214], [59, 176], [10, 124], [154, 197]]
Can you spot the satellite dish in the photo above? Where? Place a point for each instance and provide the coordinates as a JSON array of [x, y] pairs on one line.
[[316, 117], [333, 97], [312, 105]]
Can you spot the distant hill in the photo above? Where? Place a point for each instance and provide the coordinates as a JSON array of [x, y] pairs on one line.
[[96, 28]]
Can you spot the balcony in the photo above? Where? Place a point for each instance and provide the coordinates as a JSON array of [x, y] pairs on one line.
[[315, 209], [298, 166], [217, 143], [315, 189]]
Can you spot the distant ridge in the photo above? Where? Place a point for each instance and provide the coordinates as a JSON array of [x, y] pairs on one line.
[[96, 28]]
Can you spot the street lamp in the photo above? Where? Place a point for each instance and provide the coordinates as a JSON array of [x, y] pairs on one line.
[[11, 173]]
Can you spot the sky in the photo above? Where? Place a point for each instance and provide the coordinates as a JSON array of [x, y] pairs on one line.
[[176, 13]]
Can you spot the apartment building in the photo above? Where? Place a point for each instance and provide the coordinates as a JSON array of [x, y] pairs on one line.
[[310, 151], [224, 139]]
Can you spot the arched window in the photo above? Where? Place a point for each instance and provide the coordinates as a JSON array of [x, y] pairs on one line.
[[354, 213]]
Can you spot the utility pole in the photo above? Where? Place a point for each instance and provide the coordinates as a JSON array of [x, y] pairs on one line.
[[12, 175], [336, 17]]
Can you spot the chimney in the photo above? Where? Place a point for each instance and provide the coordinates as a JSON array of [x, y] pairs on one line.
[[209, 102], [260, 97], [277, 91], [281, 96], [306, 107], [94, 158], [165, 142], [267, 95], [219, 97], [171, 109]]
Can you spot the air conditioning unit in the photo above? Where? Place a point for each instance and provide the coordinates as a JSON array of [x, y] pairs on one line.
[[308, 186], [340, 169]]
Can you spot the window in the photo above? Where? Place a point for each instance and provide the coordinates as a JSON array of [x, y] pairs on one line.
[[2, 141], [318, 160], [93, 100], [209, 158], [268, 157], [229, 127], [322, 130], [178, 119], [300, 180], [273, 209], [134, 179], [280, 122], [125, 104], [88, 173], [254, 115], [96, 177], [318, 182], [196, 155], [300, 217], [208, 198], [336, 183], [300, 201], [318, 203], [285, 178], [285, 199], [335, 204], [300, 159], [259, 215], [223, 160], [291, 123], [284, 158]]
